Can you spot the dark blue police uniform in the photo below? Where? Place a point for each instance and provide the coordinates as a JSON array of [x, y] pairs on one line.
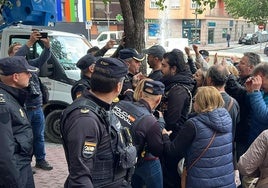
[[16, 135]]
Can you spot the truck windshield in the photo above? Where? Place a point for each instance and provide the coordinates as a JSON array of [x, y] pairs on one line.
[[68, 50]]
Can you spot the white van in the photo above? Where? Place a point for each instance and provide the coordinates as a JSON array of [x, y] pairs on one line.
[[105, 36]]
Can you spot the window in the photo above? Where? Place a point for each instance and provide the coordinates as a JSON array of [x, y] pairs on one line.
[[194, 5], [103, 37], [153, 4], [113, 36], [174, 4]]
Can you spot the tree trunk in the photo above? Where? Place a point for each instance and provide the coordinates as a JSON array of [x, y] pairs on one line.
[[133, 14]]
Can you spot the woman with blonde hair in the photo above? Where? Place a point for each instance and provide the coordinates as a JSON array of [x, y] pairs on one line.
[[205, 141], [138, 90]]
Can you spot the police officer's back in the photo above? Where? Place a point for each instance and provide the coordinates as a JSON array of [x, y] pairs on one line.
[[146, 131], [90, 131], [16, 136]]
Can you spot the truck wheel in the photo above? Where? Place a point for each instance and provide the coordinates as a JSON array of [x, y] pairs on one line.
[[52, 129]]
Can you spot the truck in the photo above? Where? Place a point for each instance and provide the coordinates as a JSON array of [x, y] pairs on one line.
[[105, 36], [60, 71]]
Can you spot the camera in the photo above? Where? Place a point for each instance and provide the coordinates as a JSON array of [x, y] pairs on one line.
[[43, 35]]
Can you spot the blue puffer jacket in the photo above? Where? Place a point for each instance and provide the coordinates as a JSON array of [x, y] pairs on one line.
[[258, 114], [215, 167]]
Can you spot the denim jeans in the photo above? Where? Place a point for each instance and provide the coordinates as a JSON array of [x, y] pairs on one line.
[[149, 173], [37, 120]]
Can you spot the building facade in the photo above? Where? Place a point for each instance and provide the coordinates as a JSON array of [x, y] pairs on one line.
[[178, 20]]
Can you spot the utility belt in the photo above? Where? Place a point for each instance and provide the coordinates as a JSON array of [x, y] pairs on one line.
[[148, 157]]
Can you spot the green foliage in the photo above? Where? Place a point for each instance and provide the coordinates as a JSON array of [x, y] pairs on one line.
[[253, 11], [201, 5], [160, 4], [106, 1]]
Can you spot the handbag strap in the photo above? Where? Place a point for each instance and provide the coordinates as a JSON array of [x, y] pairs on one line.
[[230, 104], [203, 152]]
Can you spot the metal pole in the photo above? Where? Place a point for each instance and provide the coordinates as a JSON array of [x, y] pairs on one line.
[[195, 26], [107, 12]]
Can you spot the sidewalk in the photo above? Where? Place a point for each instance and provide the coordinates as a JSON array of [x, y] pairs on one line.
[[218, 46], [56, 177]]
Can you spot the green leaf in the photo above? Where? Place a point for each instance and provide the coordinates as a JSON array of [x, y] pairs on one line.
[[252, 11]]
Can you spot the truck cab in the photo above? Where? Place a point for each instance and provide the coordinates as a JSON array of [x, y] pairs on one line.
[[58, 73], [105, 36]]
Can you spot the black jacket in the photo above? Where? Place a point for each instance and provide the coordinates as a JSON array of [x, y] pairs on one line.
[[176, 102], [16, 136], [236, 89], [80, 86]]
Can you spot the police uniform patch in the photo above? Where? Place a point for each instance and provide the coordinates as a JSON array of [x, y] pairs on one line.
[[2, 99], [88, 149]]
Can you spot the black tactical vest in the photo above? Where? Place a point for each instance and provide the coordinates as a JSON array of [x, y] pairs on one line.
[[106, 168], [130, 114]]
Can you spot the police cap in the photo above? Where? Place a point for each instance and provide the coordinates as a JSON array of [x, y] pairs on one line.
[[85, 61], [154, 87], [15, 64], [156, 51], [130, 53], [111, 67]]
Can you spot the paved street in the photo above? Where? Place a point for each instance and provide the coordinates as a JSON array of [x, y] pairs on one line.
[[56, 177]]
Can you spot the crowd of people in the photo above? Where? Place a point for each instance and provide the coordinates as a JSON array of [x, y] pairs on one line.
[[127, 129]]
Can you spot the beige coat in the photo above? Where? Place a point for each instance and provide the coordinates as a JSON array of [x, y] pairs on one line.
[[256, 159]]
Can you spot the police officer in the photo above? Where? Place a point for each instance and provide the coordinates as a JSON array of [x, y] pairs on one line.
[[146, 131], [154, 60], [89, 131], [133, 60], [86, 64], [16, 135]]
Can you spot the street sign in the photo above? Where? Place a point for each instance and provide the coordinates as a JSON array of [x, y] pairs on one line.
[[119, 17], [88, 24]]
